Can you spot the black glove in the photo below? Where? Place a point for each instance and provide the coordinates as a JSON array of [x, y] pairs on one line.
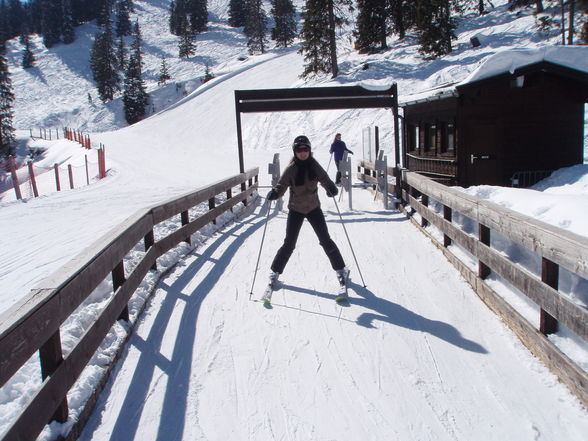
[[332, 190], [272, 195], [350, 152]]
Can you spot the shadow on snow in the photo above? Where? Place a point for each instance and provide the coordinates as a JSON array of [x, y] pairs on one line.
[[178, 368]]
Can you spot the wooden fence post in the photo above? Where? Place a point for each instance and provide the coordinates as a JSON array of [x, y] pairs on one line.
[[51, 356], [101, 162], [185, 216], [57, 184], [484, 237], [33, 180], [550, 276], [211, 205], [118, 278], [149, 241], [71, 181], [15, 183], [425, 202], [229, 196], [448, 216], [87, 171]]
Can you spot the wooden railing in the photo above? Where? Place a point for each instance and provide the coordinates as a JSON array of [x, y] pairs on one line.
[[555, 247], [444, 170], [33, 325], [366, 172]]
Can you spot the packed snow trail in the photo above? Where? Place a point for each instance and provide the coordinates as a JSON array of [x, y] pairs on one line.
[[416, 355]]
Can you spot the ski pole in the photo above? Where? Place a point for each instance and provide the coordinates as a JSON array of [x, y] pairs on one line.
[[330, 159], [269, 209], [350, 246]]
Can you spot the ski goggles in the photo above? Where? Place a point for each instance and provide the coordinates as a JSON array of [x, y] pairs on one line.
[[301, 148]]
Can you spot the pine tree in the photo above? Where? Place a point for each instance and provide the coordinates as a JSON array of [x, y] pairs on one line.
[[514, 4], [103, 17], [583, 8], [135, 96], [15, 19], [256, 27], [284, 15], [177, 17], [187, 45], [370, 27], [28, 59], [198, 14], [208, 75], [164, 75], [123, 22], [32, 11], [402, 16], [435, 27], [237, 13], [4, 23], [121, 54], [51, 22], [68, 31], [7, 133], [103, 63], [318, 38]]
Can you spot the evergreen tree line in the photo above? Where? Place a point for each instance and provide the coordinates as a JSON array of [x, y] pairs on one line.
[[110, 67], [7, 133], [54, 20], [431, 22]]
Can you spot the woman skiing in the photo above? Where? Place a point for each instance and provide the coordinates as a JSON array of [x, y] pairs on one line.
[[302, 176]]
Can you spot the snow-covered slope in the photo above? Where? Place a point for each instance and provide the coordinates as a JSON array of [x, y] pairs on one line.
[[416, 355]]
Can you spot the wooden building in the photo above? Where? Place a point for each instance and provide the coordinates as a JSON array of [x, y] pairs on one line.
[[510, 124]]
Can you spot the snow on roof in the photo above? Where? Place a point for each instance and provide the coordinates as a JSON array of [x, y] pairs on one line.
[[508, 61], [573, 57]]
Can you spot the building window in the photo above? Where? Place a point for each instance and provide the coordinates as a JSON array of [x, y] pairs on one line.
[[449, 141], [430, 137], [413, 137]]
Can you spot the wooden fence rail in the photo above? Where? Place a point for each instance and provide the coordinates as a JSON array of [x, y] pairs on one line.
[[33, 324], [366, 172], [555, 247]]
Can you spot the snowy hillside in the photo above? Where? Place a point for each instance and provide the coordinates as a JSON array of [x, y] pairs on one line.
[[190, 141]]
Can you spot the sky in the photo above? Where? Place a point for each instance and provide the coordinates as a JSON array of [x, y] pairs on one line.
[[397, 361]]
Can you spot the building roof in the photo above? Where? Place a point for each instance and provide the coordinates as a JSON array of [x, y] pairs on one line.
[[570, 61]]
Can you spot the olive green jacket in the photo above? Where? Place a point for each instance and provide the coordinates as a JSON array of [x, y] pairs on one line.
[[303, 198]]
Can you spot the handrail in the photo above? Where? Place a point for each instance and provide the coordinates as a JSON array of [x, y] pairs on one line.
[[434, 159], [556, 247], [33, 323]]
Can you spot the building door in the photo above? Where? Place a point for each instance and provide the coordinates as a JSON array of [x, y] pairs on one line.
[[482, 157]]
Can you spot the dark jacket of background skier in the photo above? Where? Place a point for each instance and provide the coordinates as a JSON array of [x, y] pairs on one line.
[[338, 148], [302, 177]]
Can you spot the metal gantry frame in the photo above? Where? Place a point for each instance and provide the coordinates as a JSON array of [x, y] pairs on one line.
[[316, 98]]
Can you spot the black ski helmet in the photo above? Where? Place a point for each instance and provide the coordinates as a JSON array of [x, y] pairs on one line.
[[300, 140]]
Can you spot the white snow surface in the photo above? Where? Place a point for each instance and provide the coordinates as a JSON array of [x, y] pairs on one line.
[[573, 57], [415, 356], [412, 357]]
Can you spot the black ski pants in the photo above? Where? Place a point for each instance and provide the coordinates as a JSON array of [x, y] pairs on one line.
[[319, 225]]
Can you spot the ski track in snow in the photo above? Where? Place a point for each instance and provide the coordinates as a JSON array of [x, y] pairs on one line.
[[395, 364]]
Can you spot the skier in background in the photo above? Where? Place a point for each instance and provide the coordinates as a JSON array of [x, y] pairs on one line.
[[338, 148], [302, 176]]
